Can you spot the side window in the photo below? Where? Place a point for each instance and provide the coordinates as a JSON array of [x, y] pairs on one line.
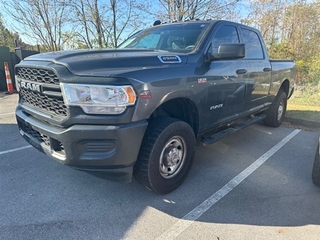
[[224, 35], [253, 44]]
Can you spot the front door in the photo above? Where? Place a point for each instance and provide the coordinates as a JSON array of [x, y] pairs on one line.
[[226, 81]]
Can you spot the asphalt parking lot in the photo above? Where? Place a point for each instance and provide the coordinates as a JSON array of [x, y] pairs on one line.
[[254, 184]]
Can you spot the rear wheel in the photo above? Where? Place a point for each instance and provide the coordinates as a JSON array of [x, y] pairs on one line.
[[277, 110], [166, 155]]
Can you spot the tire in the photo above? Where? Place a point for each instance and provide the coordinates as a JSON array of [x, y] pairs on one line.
[[277, 110], [316, 169], [154, 169]]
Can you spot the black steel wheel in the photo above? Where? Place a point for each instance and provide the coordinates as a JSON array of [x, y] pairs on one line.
[[166, 155]]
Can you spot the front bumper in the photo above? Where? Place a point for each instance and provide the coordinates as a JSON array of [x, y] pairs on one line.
[[95, 148]]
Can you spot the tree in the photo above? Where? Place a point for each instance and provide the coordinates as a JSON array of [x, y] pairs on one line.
[[266, 15], [6, 37], [291, 30], [104, 24], [178, 10], [10, 39], [303, 35], [42, 20], [87, 18], [127, 18]]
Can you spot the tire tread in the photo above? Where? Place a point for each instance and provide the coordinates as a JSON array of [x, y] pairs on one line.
[[143, 166], [271, 119]]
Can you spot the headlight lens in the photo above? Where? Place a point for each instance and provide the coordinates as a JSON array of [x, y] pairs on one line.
[[99, 99]]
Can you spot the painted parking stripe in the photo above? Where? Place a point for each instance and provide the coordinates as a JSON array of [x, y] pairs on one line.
[[15, 149], [176, 229]]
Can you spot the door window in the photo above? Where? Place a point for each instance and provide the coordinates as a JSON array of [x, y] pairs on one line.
[[252, 44], [224, 35]]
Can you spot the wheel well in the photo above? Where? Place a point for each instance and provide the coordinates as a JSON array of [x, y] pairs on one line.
[[180, 108], [285, 86]]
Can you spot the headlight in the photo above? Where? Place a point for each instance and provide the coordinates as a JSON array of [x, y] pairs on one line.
[[98, 99]]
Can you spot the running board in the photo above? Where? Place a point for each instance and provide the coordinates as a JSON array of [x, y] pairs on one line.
[[217, 136]]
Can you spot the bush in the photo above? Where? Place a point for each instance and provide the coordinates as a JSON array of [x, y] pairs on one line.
[[307, 94], [309, 71]]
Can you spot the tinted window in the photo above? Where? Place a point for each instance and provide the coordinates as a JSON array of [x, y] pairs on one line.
[[253, 44], [224, 35]]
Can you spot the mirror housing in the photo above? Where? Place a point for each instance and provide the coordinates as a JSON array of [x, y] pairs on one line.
[[229, 51]]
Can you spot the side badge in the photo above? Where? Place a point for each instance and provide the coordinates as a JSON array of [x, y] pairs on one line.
[[202, 80], [170, 59], [216, 106]]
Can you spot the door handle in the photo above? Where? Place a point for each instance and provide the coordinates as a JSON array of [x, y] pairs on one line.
[[241, 71], [267, 69]]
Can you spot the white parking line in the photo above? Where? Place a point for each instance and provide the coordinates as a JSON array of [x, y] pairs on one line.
[[15, 149], [176, 229]]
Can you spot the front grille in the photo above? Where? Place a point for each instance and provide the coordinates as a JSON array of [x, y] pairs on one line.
[[49, 100], [44, 103], [38, 75]]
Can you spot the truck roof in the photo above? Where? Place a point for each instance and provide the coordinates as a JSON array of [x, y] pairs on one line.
[[210, 21]]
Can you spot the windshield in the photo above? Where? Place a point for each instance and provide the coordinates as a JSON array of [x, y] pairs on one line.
[[173, 38]]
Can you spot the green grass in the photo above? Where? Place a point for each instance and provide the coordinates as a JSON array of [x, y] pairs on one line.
[[305, 103]]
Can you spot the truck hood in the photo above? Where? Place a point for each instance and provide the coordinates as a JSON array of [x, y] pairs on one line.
[[111, 61]]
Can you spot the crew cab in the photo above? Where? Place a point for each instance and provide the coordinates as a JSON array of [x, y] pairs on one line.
[[139, 109]]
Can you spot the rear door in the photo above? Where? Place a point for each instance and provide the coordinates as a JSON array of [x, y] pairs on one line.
[[258, 68]]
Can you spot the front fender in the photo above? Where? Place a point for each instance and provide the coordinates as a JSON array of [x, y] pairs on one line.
[[145, 107]]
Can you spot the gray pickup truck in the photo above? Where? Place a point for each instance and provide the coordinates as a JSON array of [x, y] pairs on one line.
[[139, 109]]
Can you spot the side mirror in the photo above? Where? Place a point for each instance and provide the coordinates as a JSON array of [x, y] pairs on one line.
[[229, 51]]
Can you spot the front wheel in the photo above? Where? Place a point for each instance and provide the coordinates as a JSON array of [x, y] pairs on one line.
[[277, 110], [166, 155]]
